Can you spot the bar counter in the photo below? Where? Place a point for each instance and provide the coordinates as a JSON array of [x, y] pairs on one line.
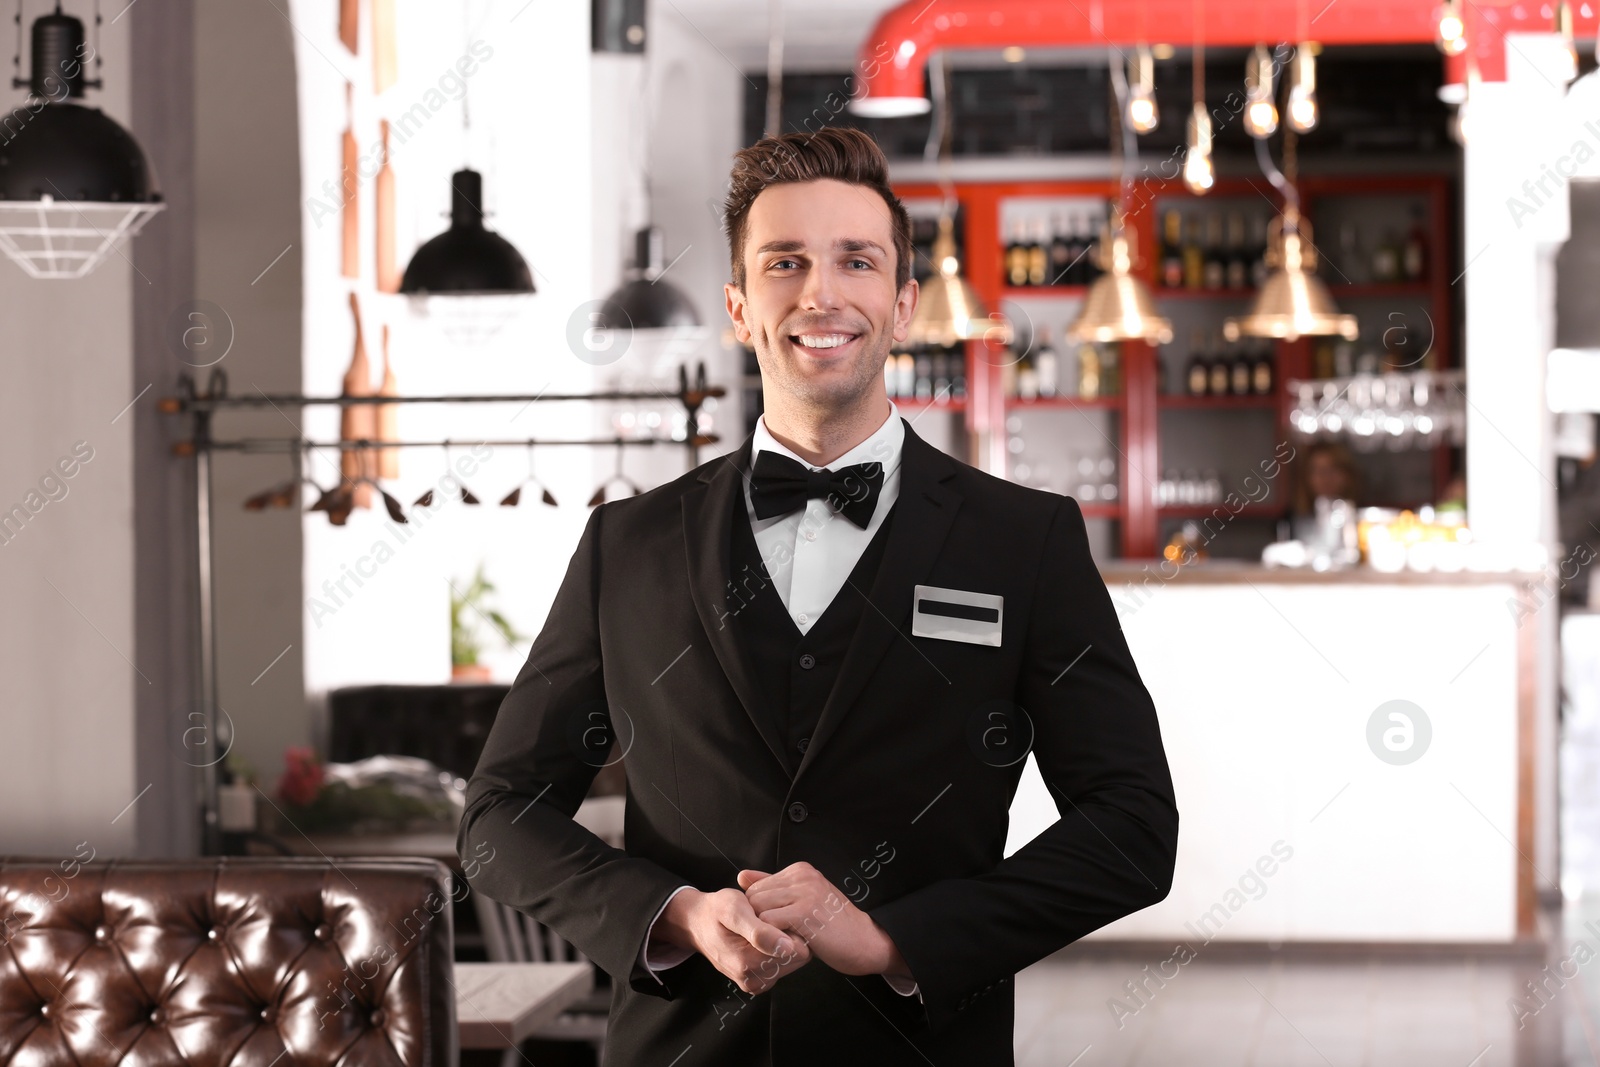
[[1309, 812]]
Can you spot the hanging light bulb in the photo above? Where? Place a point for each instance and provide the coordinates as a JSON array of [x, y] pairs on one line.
[[1451, 38], [1142, 114], [1302, 106], [1569, 68], [1199, 174], [1260, 111]]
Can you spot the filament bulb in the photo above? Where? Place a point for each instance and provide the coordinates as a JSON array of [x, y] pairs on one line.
[[1452, 35], [1260, 112], [1302, 107], [1142, 114], [1199, 174]]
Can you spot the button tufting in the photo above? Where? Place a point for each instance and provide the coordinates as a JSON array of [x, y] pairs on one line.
[[266, 1014], [376, 1018], [157, 1016], [214, 934], [44, 1011], [322, 932], [101, 932]]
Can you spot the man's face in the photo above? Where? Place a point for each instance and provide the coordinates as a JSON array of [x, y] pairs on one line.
[[819, 304]]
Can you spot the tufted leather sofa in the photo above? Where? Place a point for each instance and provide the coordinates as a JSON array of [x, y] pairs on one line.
[[226, 962]]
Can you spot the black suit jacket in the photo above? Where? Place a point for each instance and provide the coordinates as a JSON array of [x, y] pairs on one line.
[[900, 799]]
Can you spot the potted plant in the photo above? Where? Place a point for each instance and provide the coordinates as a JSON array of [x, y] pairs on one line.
[[468, 611]]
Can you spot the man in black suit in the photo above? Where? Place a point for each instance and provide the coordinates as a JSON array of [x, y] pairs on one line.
[[824, 658]]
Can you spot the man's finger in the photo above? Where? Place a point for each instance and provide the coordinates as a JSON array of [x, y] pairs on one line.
[[741, 919], [748, 878]]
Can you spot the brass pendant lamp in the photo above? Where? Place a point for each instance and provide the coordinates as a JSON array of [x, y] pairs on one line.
[[1293, 303], [1119, 306], [948, 309]]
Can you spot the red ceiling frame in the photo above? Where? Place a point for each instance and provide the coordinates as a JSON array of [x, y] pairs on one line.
[[892, 59]]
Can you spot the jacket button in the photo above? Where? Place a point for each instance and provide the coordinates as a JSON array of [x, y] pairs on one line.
[[797, 812], [808, 661], [803, 744], [322, 932]]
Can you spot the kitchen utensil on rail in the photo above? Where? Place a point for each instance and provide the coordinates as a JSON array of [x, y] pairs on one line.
[[383, 220], [388, 416], [385, 51], [350, 190], [513, 498], [617, 478], [358, 422]]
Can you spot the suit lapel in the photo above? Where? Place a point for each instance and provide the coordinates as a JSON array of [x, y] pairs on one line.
[[708, 511], [924, 510]]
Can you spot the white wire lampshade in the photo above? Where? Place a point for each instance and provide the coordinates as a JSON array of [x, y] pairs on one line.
[[65, 239]]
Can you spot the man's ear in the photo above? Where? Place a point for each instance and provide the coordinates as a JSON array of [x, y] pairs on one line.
[[735, 299], [905, 305]]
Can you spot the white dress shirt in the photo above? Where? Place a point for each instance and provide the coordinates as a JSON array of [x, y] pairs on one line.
[[809, 554]]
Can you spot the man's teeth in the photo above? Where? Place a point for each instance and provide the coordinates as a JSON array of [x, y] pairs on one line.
[[824, 340]]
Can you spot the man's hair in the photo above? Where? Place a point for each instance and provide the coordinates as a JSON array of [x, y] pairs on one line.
[[842, 154]]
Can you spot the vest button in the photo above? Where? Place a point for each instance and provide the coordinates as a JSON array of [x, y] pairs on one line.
[[797, 812], [808, 661], [803, 744]]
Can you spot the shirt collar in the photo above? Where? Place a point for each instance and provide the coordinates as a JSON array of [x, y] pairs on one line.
[[883, 445]]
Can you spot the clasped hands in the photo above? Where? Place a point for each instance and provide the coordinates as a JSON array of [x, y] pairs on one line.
[[775, 926]]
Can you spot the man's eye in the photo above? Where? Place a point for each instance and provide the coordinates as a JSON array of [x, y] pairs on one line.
[[784, 263], [864, 264]]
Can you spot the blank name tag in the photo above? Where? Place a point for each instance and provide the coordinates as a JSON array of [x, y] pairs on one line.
[[956, 615]]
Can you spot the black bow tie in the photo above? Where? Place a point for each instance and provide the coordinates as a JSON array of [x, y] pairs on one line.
[[779, 485]]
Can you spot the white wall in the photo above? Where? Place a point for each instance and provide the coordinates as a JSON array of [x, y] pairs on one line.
[[531, 132], [66, 636]]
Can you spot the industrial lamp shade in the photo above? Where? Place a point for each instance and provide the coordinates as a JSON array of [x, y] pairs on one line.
[[468, 259], [645, 301], [1293, 303], [73, 183], [948, 308], [1119, 307]]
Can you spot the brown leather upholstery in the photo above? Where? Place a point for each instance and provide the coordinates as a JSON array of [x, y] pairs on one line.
[[226, 962]]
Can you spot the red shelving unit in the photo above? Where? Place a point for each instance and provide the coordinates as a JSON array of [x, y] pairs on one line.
[[1137, 438]]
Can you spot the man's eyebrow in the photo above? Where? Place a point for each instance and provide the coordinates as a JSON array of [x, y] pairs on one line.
[[843, 244]]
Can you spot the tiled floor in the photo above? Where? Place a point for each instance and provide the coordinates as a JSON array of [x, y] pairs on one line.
[[1224, 1007]]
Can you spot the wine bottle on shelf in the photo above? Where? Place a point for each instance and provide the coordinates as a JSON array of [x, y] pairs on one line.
[[1259, 270], [1414, 255], [1088, 370], [1081, 244], [1215, 269], [1172, 249], [923, 366], [958, 374], [1218, 372], [1197, 377], [1239, 371], [1061, 253], [1027, 378], [1008, 373], [1039, 253], [1194, 262], [1238, 269], [1262, 375], [1111, 370], [1089, 226], [941, 376], [1386, 258], [1017, 255], [1046, 367]]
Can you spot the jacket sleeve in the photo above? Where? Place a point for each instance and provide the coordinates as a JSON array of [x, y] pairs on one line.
[[1098, 746], [550, 737]]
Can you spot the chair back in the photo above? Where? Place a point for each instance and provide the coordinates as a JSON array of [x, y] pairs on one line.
[[227, 960]]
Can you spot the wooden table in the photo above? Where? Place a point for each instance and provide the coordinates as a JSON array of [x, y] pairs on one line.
[[500, 1004]]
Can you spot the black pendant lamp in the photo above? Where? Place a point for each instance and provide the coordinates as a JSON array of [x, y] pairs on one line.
[[468, 259], [644, 301], [73, 183]]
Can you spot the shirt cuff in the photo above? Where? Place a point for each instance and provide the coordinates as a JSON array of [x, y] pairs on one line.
[[662, 957], [904, 986]]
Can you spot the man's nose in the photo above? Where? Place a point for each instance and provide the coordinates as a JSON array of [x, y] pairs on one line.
[[820, 291]]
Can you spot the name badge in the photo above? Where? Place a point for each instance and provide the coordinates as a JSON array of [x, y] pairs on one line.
[[956, 615]]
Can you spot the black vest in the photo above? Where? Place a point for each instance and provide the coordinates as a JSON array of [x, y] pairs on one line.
[[796, 671]]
